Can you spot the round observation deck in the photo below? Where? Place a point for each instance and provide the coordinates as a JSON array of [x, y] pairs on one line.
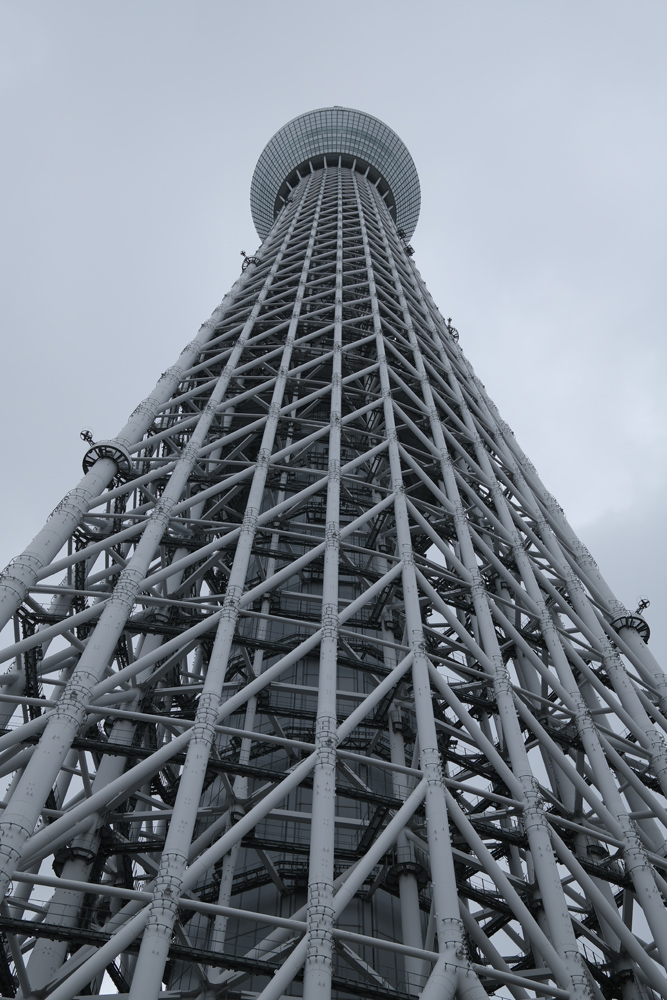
[[360, 140]]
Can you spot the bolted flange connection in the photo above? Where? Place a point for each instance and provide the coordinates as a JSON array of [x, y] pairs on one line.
[[113, 450]]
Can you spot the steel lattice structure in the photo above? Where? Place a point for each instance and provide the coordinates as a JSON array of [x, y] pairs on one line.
[[312, 690]]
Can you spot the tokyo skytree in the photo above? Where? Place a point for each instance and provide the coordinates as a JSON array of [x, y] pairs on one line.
[[310, 689]]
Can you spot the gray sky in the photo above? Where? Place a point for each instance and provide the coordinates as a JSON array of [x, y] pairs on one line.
[[131, 130]]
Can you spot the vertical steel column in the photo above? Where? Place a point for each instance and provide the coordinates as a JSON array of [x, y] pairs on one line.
[[448, 922], [240, 787], [408, 888], [635, 855], [162, 912], [318, 967], [536, 827], [634, 852], [18, 820]]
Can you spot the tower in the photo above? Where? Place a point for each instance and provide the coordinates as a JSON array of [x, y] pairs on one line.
[[312, 690]]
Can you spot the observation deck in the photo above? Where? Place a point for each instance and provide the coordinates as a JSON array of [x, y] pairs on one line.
[[336, 134]]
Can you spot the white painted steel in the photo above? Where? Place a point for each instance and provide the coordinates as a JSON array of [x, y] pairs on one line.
[[327, 697]]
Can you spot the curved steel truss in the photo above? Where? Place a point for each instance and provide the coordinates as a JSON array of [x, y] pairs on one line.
[[312, 690]]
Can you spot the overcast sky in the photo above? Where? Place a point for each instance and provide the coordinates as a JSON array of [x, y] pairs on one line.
[[131, 129]]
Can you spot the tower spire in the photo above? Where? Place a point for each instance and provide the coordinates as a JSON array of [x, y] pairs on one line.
[[312, 690]]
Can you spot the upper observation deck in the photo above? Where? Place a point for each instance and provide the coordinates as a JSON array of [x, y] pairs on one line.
[[360, 140]]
